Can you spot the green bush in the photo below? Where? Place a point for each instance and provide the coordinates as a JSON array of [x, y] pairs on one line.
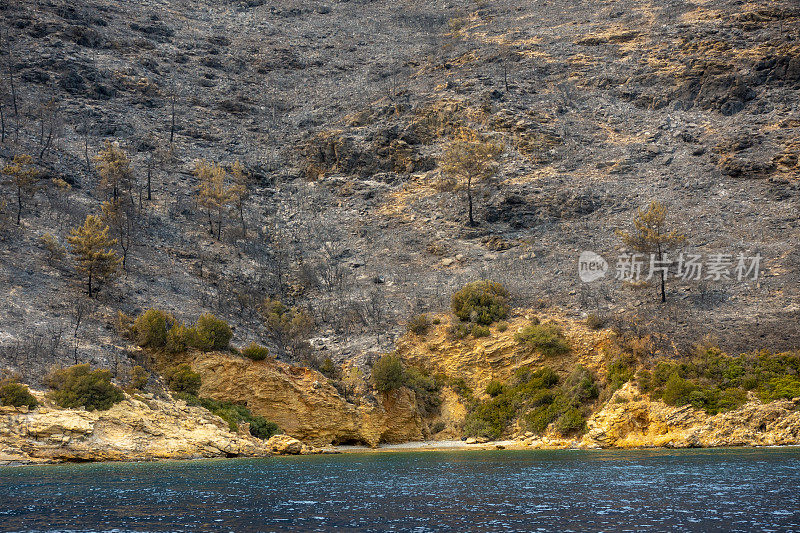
[[571, 422], [620, 371], [150, 328], [426, 389], [490, 418], [481, 302], [459, 330], [731, 399], [388, 373], [212, 333], [480, 331], [535, 397], [139, 378], [234, 414], [255, 351], [78, 386], [542, 378], [547, 339], [460, 387], [678, 391], [262, 428], [495, 388], [787, 387], [180, 338], [537, 419], [502, 326], [289, 327], [182, 378], [15, 394], [580, 386], [419, 324]]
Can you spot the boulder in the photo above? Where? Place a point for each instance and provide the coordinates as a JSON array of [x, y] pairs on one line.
[[285, 445]]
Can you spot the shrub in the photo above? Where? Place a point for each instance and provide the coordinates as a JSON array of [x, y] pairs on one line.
[[480, 331], [78, 386], [787, 387], [438, 427], [180, 338], [595, 321], [419, 324], [539, 418], [150, 328], [212, 333], [388, 373], [459, 385], [234, 414], [458, 330], [182, 378], [490, 418], [571, 422], [731, 399], [139, 378], [495, 388], [482, 302], [123, 324], [544, 338], [620, 372], [262, 428], [288, 326], [15, 394], [502, 326], [426, 389], [677, 390], [255, 351], [328, 369], [580, 386], [55, 250], [535, 379]]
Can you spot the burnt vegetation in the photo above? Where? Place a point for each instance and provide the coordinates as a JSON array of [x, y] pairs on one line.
[[304, 180]]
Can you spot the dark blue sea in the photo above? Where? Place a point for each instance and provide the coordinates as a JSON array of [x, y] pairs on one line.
[[633, 490]]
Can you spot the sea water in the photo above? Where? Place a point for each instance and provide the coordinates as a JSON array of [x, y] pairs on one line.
[[746, 489]]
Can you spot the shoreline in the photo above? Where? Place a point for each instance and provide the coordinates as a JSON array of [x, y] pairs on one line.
[[406, 447]]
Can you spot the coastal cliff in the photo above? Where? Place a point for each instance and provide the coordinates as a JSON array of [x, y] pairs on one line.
[[629, 421], [311, 411], [305, 405], [136, 429]]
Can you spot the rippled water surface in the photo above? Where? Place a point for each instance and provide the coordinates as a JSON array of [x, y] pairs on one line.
[[694, 490]]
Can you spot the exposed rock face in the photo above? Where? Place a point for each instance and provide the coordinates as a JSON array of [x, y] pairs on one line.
[[305, 405], [497, 357], [285, 445], [626, 422], [132, 430]]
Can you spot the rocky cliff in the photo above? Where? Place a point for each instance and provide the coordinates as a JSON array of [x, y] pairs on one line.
[[305, 405], [496, 357], [628, 420], [136, 429]]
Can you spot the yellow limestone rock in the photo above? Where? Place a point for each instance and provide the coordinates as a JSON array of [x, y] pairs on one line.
[[304, 404], [132, 430], [285, 445], [629, 420]]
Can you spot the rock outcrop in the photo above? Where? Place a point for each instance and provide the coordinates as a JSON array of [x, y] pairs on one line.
[[286, 445], [132, 430], [305, 405], [497, 357], [629, 420]]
